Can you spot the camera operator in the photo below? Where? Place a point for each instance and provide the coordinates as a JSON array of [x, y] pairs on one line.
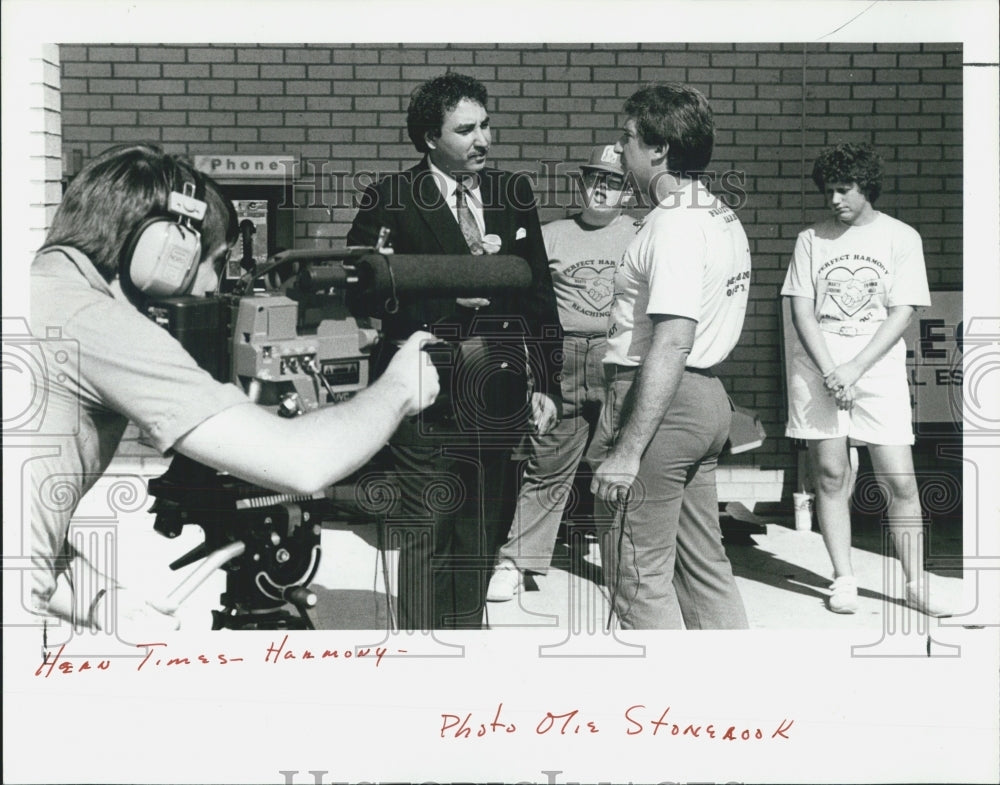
[[127, 368]]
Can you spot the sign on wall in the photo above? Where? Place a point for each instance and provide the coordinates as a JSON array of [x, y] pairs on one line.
[[226, 167]]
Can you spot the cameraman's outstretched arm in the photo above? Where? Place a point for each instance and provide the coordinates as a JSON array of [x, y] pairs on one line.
[[306, 454]]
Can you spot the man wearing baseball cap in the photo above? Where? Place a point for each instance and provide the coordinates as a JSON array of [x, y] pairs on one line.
[[583, 251]]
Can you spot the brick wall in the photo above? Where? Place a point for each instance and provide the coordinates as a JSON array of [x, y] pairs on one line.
[[343, 108]]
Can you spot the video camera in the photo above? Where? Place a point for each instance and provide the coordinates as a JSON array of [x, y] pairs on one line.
[[305, 340]]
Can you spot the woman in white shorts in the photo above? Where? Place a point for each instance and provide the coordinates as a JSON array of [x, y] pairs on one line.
[[855, 280]]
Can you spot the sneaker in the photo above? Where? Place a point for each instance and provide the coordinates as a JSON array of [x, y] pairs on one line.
[[504, 584], [918, 598], [139, 620], [844, 594]]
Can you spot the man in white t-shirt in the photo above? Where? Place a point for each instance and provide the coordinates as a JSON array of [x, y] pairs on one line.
[[680, 298]]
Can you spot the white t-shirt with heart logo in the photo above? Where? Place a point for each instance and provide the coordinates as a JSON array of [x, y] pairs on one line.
[[856, 273], [582, 260]]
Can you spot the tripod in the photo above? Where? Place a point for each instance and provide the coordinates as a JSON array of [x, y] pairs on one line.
[[268, 544]]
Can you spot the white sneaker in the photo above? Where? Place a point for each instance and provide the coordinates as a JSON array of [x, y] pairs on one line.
[[918, 598], [844, 594], [504, 584], [138, 619]]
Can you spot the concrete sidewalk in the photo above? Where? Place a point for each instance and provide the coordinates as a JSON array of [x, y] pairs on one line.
[[783, 576]]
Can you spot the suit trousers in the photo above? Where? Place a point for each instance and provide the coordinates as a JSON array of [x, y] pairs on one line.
[[447, 528], [554, 457], [662, 554]]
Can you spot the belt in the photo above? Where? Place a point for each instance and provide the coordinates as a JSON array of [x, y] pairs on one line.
[[626, 370], [849, 330]]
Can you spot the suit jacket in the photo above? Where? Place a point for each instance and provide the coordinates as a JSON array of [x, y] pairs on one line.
[[493, 392]]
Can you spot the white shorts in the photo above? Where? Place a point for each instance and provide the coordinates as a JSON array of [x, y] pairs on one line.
[[882, 413]]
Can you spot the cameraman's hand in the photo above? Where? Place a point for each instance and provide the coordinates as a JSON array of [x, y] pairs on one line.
[[413, 371]]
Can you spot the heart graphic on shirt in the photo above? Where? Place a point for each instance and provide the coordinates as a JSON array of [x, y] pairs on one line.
[[852, 291], [596, 285]]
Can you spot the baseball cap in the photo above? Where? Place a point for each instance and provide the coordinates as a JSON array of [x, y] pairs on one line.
[[603, 158]]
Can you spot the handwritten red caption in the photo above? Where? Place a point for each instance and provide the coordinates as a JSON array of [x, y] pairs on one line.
[[157, 657], [458, 726]]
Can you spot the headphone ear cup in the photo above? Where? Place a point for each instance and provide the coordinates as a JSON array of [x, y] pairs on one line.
[[161, 260]]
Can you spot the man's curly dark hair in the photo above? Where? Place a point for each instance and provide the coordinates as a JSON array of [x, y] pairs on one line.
[[433, 99], [850, 163]]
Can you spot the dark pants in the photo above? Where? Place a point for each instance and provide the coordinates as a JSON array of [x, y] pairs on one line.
[[455, 506]]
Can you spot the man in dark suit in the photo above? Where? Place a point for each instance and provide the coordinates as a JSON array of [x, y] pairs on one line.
[[450, 464]]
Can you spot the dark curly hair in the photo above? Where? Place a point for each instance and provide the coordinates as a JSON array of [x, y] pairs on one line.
[[678, 116], [431, 100], [850, 163]]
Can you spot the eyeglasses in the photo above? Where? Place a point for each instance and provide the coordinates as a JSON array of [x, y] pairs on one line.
[[614, 182]]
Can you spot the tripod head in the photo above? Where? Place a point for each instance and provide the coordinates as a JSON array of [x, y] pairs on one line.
[[267, 543]]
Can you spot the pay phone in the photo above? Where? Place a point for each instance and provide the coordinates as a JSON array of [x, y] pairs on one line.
[[265, 229]]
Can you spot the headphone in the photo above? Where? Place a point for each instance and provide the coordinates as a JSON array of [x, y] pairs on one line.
[[160, 258]]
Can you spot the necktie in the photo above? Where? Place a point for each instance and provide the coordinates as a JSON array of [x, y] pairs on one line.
[[467, 221]]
